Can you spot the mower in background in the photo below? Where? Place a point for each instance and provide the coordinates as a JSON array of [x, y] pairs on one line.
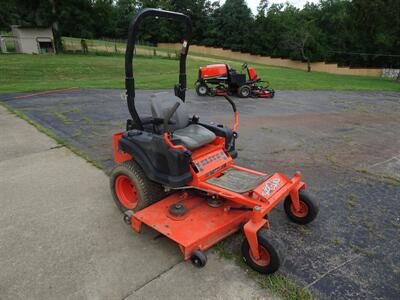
[[221, 80]]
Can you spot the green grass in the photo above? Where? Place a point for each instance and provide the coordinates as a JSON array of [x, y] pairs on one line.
[[278, 284], [24, 72]]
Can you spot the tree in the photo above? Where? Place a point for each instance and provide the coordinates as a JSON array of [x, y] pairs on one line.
[[262, 7], [333, 30], [298, 39], [302, 35], [124, 11], [233, 25], [55, 26]]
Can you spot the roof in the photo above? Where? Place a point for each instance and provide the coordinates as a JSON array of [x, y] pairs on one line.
[[29, 27]]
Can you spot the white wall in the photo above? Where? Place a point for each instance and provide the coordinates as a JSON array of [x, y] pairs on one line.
[[26, 38]]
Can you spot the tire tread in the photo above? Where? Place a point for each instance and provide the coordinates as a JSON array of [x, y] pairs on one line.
[[149, 191]]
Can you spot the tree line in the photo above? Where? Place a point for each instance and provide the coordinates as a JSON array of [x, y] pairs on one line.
[[351, 32]]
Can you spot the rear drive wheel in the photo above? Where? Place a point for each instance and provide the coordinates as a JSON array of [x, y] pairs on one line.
[[244, 91], [308, 209], [201, 89], [131, 189], [268, 262]]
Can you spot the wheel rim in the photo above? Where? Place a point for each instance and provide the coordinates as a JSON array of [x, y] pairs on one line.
[[303, 212], [202, 90], [265, 258], [245, 92], [197, 261], [126, 191]]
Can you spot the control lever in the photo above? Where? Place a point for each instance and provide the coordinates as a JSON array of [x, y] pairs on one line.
[[169, 116]]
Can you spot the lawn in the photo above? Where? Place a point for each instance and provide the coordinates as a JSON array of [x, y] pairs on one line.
[[22, 72]]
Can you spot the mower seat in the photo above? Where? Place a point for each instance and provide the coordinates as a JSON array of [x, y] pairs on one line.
[[192, 136]]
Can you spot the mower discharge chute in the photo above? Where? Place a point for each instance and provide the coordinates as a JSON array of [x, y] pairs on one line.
[[220, 80], [176, 174]]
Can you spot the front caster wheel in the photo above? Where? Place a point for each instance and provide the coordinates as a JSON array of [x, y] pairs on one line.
[[128, 217], [198, 259], [268, 262], [308, 209]]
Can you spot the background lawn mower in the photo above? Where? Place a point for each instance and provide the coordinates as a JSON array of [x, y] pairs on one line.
[[220, 79], [176, 174]]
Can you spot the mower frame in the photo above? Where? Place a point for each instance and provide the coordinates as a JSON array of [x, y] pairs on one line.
[[256, 203], [203, 224]]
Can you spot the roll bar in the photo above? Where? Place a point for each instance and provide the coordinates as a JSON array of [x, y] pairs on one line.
[[180, 88]]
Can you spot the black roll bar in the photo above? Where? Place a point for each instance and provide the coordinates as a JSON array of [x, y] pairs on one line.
[[180, 88]]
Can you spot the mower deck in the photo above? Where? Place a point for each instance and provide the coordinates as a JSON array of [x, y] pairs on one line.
[[199, 228]]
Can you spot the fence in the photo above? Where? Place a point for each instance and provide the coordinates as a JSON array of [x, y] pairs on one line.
[[8, 44], [172, 50], [281, 62], [391, 73], [78, 45]]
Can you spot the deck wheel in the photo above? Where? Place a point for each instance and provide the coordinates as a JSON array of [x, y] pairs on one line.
[[198, 259], [308, 209], [268, 261]]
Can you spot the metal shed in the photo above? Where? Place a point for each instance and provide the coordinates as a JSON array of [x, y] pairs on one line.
[[33, 39]]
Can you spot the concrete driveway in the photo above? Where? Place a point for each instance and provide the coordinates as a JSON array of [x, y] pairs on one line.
[[62, 238]]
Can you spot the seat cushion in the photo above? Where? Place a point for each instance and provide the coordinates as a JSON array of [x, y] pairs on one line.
[[161, 104], [194, 136]]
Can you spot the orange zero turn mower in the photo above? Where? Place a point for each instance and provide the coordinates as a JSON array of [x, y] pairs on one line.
[[177, 174]]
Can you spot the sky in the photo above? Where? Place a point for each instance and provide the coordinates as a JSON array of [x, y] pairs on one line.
[[254, 3]]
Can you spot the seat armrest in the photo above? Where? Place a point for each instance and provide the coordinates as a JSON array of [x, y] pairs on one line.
[[218, 131], [226, 133]]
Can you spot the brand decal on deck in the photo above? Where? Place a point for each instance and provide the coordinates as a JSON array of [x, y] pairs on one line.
[[270, 186]]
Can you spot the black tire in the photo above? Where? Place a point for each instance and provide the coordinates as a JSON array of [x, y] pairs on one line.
[[309, 212], [147, 192], [270, 261], [244, 91], [202, 89], [198, 259]]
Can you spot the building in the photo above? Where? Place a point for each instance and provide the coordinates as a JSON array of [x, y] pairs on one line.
[[33, 39]]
